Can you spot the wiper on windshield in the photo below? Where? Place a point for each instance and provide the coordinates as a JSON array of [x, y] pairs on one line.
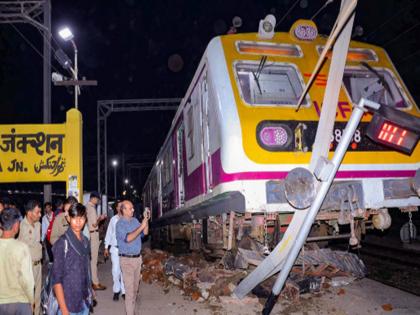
[[258, 72], [380, 77]]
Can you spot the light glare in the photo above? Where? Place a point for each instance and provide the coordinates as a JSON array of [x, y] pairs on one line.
[[66, 34]]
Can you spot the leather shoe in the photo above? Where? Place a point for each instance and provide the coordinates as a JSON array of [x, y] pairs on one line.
[[116, 296], [98, 287], [123, 296]]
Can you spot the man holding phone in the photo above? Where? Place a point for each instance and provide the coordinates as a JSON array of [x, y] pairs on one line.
[[129, 233]]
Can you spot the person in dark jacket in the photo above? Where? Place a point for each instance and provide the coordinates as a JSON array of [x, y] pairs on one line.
[[71, 278]]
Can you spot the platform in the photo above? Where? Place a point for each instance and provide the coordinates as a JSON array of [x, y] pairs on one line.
[[359, 298]]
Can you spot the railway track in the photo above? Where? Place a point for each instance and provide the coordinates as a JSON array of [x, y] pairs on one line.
[[394, 266]]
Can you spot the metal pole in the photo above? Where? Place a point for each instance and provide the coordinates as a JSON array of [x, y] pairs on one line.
[[115, 182], [76, 74], [98, 147], [105, 156], [351, 126], [47, 78]]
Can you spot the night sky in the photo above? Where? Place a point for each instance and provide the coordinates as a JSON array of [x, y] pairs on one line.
[[126, 45]]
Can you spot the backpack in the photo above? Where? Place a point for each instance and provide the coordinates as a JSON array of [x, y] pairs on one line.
[[49, 303], [50, 227]]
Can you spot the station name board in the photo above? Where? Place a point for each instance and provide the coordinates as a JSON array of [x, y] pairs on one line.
[[43, 152]]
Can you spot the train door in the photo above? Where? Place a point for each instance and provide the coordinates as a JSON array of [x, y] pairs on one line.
[[180, 165], [206, 134]]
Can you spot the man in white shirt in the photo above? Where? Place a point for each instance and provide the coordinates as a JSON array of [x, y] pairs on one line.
[[46, 219], [111, 248]]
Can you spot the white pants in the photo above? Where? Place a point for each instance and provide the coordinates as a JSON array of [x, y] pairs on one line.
[[116, 271]]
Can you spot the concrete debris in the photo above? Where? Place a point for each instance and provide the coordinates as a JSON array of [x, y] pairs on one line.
[[205, 281], [197, 278], [306, 283], [296, 285], [174, 281], [228, 260], [177, 268], [387, 307], [341, 281], [247, 257], [290, 291], [341, 291], [339, 261], [152, 269]]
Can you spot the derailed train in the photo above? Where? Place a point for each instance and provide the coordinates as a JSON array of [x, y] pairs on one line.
[[236, 135]]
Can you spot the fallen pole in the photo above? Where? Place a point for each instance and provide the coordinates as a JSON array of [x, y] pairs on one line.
[[329, 169]]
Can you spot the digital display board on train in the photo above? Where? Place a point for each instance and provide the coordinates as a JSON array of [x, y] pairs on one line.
[[399, 132]]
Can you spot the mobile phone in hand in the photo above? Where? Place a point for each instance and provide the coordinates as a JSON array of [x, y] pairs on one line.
[[146, 213]]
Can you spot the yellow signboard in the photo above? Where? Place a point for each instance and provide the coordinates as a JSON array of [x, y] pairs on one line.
[[44, 153]]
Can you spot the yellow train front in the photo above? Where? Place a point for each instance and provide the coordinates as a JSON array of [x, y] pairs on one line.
[[237, 134]]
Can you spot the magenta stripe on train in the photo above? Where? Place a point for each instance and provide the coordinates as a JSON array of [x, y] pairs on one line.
[[195, 183]]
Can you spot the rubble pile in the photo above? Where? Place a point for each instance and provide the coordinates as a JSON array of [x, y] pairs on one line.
[[332, 263], [195, 276], [319, 268], [153, 265], [201, 279], [315, 269]]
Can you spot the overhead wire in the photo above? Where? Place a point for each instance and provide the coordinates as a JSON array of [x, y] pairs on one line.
[[390, 19], [287, 13], [401, 34], [321, 9], [408, 57], [32, 45]]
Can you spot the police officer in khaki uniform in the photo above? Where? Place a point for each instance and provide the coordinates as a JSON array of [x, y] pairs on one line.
[[30, 234], [93, 222]]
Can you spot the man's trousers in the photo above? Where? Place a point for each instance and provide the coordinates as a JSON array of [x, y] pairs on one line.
[[94, 249], [16, 309], [116, 271], [37, 271], [131, 268]]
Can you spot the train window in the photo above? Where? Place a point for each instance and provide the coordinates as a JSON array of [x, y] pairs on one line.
[[270, 49], [167, 166], [277, 84], [377, 85], [355, 54], [190, 134]]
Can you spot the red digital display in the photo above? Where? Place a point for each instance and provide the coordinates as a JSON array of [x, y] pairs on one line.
[[395, 129], [395, 135], [392, 134]]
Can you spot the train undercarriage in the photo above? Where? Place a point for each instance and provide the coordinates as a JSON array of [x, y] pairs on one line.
[[220, 234]]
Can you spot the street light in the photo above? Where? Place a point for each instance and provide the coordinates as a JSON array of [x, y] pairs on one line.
[[126, 181], [67, 35], [114, 164]]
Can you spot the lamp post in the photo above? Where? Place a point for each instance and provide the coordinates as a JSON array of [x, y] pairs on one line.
[[67, 35], [114, 165]]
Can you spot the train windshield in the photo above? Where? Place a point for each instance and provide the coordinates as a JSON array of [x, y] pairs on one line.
[[269, 84], [375, 85]]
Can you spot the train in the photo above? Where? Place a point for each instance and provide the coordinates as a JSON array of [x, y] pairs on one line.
[[220, 173]]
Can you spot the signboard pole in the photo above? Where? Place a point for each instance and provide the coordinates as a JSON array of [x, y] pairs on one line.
[[74, 148]]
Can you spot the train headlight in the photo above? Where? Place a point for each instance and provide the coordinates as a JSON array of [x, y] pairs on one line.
[[274, 136], [266, 27]]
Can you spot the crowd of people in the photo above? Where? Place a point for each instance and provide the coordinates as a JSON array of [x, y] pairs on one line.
[[66, 239]]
